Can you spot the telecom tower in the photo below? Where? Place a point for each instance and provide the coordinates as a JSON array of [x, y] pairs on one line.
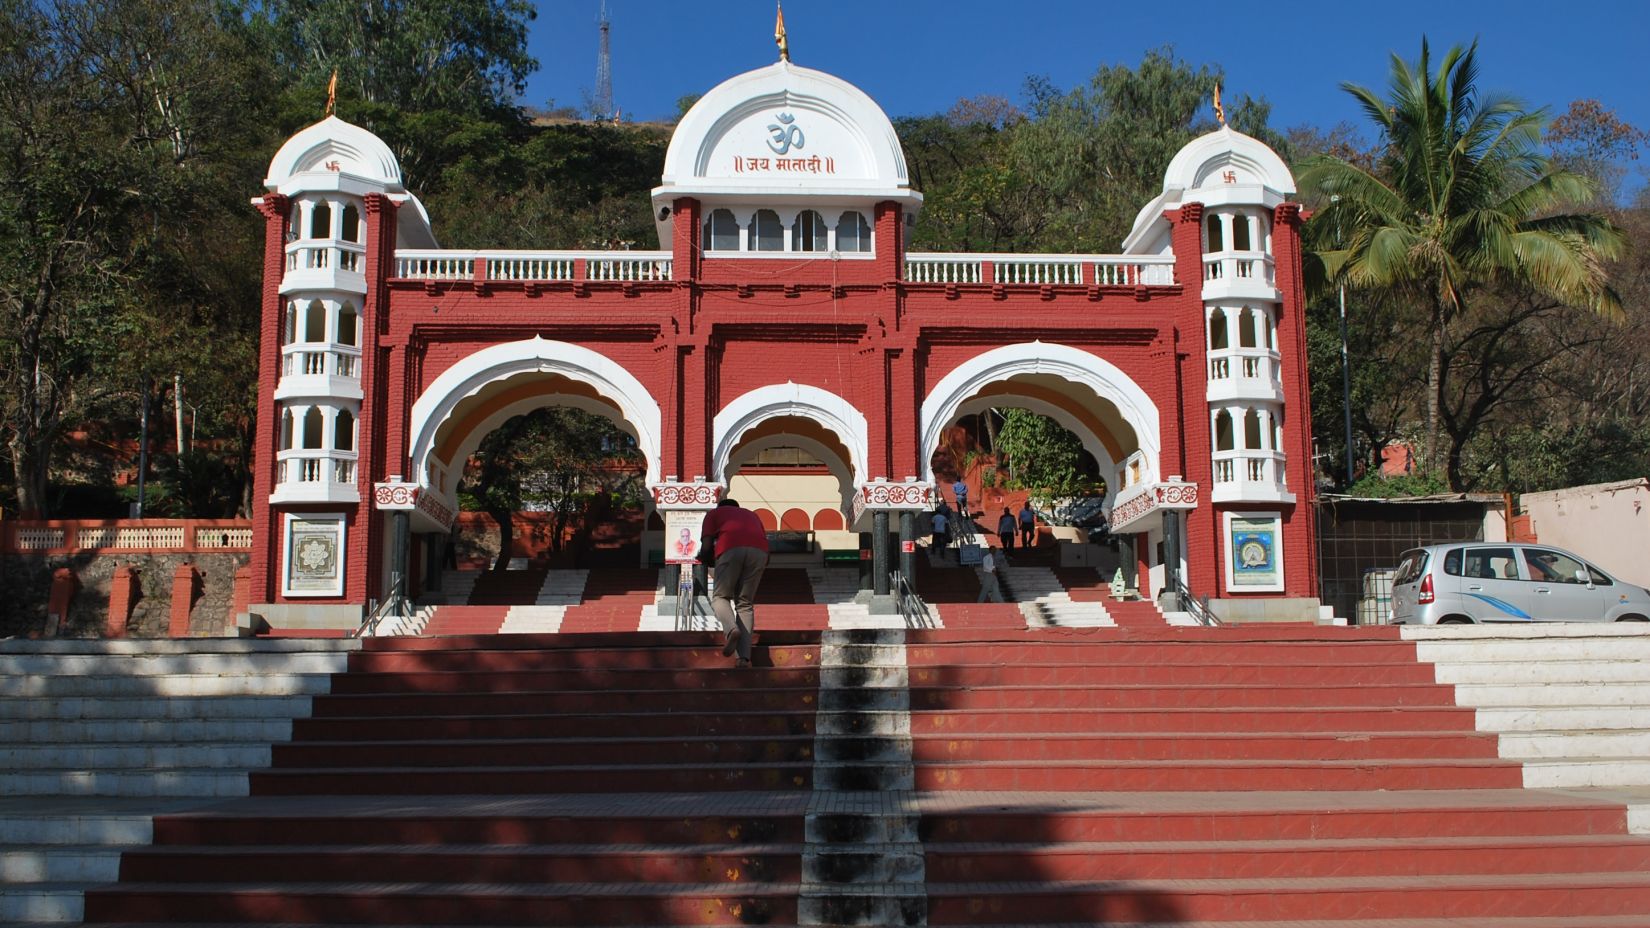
[[604, 70]]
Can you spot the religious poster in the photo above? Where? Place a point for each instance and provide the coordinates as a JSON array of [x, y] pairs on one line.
[[682, 535], [314, 556], [1254, 551]]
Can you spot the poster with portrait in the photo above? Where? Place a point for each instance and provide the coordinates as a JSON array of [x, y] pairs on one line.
[[314, 556], [682, 535], [1254, 552]]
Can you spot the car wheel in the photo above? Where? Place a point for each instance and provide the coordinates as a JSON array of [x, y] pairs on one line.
[[1455, 620], [1633, 618]]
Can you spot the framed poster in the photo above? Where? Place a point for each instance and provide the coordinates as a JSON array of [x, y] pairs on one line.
[[1254, 552], [313, 555], [682, 535]]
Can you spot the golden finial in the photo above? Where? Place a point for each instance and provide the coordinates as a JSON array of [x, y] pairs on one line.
[[779, 34], [332, 92], [1220, 111]]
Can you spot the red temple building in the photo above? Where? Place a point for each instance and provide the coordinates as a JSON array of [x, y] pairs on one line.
[[782, 310]]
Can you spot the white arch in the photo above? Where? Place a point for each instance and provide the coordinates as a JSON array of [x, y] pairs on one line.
[[946, 401], [535, 355], [791, 399], [832, 461], [1090, 441]]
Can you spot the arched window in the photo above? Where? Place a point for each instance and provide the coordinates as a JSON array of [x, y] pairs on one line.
[[766, 232], [315, 322], [348, 324], [1240, 233], [313, 425], [352, 224], [1223, 430], [721, 231], [320, 220], [1251, 430], [853, 233], [343, 431], [289, 325], [1217, 240], [809, 232], [1246, 329], [1217, 330], [286, 430]]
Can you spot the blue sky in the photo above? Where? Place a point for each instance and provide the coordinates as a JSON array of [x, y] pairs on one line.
[[919, 56]]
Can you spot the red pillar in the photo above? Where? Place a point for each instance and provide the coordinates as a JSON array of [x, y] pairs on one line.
[[378, 426], [64, 585], [186, 588], [1300, 530], [123, 595], [266, 528]]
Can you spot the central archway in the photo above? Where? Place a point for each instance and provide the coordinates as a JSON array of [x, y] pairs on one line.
[[488, 388], [1115, 419]]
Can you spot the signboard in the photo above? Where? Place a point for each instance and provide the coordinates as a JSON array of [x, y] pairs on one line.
[[682, 535], [1254, 552], [970, 555], [908, 547], [1135, 506], [313, 556]]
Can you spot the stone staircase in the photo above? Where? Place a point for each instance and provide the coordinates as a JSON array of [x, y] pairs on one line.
[[1571, 702], [1043, 599], [987, 775], [99, 737], [561, 589]]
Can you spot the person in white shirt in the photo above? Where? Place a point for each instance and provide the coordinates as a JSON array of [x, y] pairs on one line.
[[989, 591]]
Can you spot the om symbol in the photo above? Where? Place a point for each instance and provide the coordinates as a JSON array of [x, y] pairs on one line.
[[786, 136]]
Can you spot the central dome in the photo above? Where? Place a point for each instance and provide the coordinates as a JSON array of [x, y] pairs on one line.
[[785, 130]]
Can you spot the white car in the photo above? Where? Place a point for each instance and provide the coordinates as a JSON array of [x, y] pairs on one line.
[[1506, 582]]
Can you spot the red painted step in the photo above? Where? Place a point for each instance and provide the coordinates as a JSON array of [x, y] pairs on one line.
[[1197, 775], [559, 752], [1050, 697], [494, 681], [1050, 672], [749, 697], [1198, 721], [404, 824], [704, 655], [613, 600], [466, 620], [507, 587], [1028, 746]]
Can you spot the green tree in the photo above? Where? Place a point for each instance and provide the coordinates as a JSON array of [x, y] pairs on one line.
[[1460, 197], [1043, 456]]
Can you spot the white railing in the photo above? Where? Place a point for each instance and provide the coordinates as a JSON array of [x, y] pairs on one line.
[[943, 269], [223, 538], [1040, 270], [38, 539], [1263, 468], [313, 465], [311, 255], [1255, 267], [1261, 364], [303, 360], [536, 265], [165, 536], [435, 265]]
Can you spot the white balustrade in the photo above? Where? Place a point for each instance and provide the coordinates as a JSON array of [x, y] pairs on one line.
[[1248, 268], [530, 267], [131, 537], [312, 360], [39, 539], [315, 465], [942, 269], [629, 268], [1248, 474], [1040, 270], [223, 537], [626, 266], [435, 265], [1220, 368]]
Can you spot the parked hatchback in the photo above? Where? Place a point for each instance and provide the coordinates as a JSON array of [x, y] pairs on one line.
[[1505, 582]]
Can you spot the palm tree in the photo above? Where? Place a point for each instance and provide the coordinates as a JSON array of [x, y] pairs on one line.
[[1460, 196]]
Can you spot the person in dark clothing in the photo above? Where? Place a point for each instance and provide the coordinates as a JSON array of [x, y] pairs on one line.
[[1006, 529], [1028, 526], [740, 546]]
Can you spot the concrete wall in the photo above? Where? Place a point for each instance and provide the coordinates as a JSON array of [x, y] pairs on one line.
[[1606, 523]]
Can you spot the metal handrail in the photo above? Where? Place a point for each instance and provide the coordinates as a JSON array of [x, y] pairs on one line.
[[394, 604], [912, 610], [1198, 609]]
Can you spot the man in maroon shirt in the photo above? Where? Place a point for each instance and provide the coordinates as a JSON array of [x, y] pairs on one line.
[[741, 551]]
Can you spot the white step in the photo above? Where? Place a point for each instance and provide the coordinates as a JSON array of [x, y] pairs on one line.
[[1545, 671], [145, 665], [1552, 694], [1586, 771], [43, 902], [201, 684], [1569, 648], [147, 646], [58, 863], [1526, 631], [118, 731], [1576, 744], [57, 756], [192, 782], [156, 707], [562, 588], [1562, 718], [533, 620]]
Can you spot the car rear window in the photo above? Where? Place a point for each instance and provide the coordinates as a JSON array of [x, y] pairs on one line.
[[1452, 562], [1490, 564], [1411, 567]]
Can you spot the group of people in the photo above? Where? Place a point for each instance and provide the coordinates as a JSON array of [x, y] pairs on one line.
[[738, 544]]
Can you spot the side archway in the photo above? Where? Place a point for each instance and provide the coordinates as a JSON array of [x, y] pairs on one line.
[[483, 390], [970, 387]]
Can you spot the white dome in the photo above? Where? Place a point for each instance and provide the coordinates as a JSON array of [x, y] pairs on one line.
[[1226, 157], [334, 147], [786, 129]]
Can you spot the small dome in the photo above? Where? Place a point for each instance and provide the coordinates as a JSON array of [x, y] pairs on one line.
[[333, 146], [786, 128], [1226, 157]]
